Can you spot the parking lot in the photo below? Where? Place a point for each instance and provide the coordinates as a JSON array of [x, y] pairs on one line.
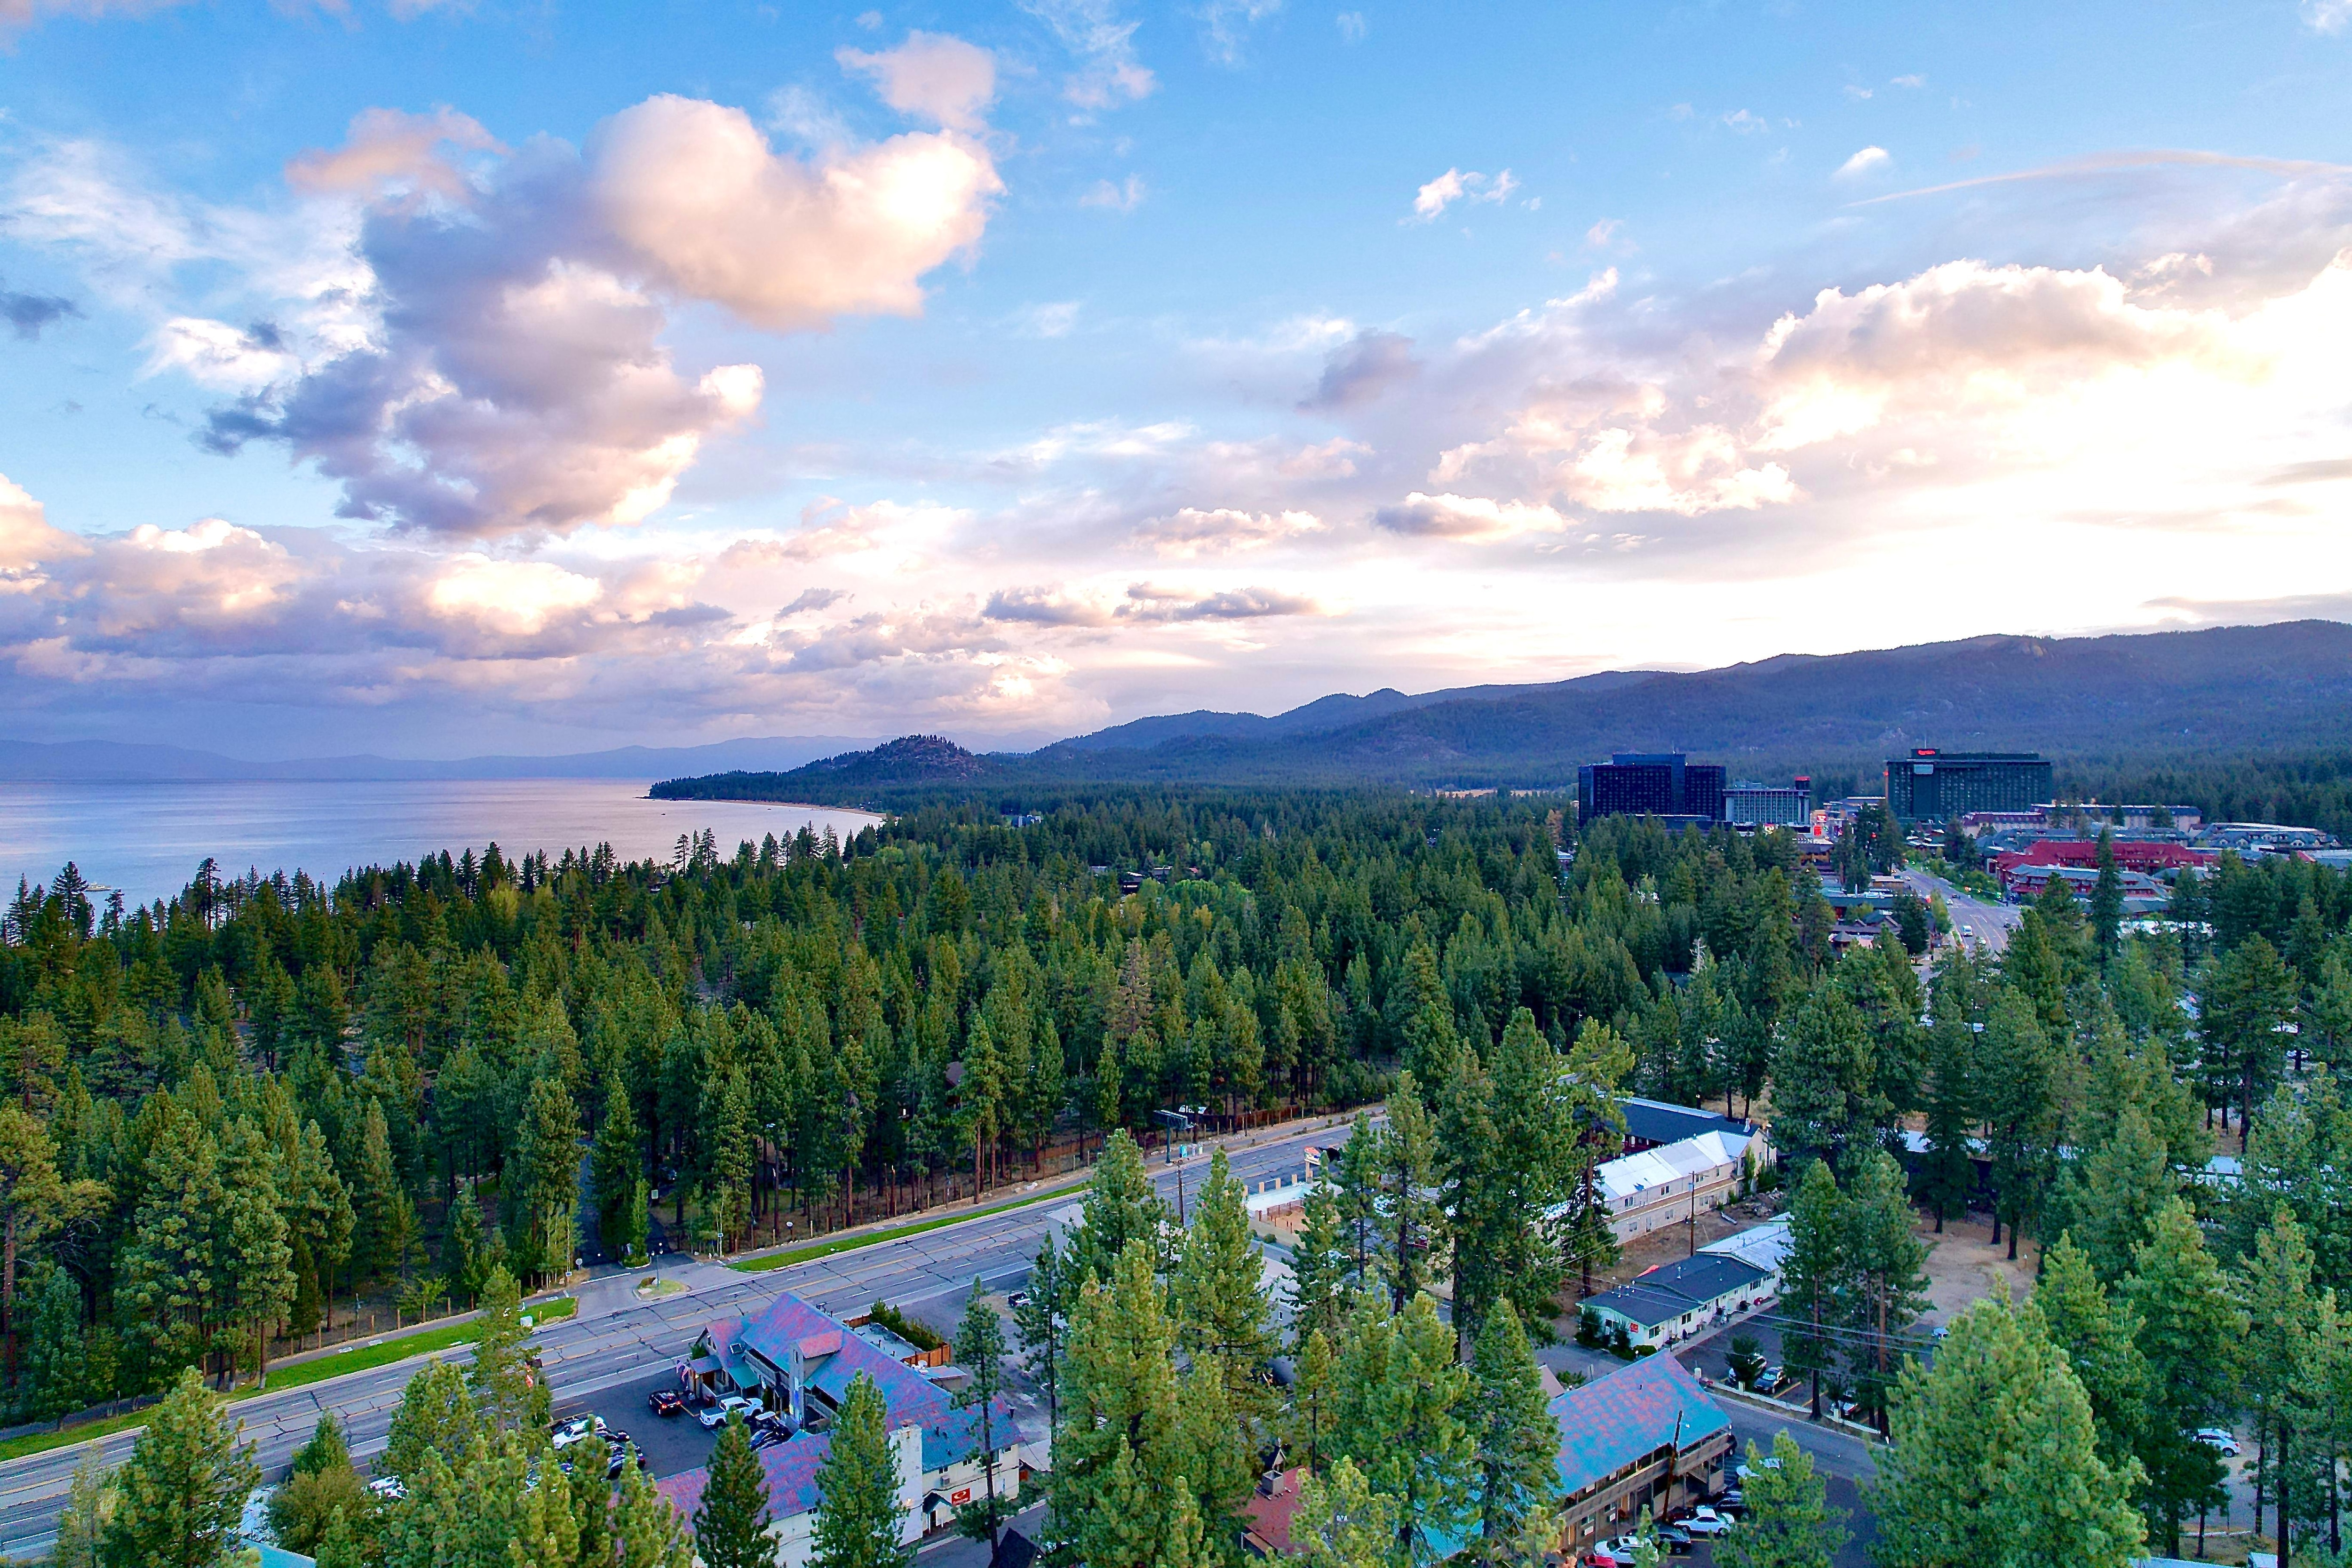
[[670, 1444]]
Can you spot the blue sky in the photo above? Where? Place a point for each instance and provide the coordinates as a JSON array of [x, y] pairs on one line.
[[442, 378]]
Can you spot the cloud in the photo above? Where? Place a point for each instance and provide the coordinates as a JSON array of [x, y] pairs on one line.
[[1119, 198], [1193, 532], [1473, 518], [694, 190], [2097, 163], [1351, 26], [1225, 26], [2329, 16], [1856, 92], [1360, 370], [27, 314], [811, 600], [385, 147], [1599, 235], [1914, 81], [1144, 604], [1109, 73], [1454, 186], [931, 75], [1047, 320], [1742, 122], [1863, 162], [514, 597], [215, 354], [28, 542]]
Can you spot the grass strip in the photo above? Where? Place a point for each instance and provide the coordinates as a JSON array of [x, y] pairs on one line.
[[358, 1357], [814, 1251]]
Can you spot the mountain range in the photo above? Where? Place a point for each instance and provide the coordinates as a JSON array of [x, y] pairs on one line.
[[2144, 699]]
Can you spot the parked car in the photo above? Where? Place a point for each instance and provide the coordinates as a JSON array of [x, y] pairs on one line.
[[1599, 1556], [769, 1438], [1622, 1547], [1706, 1521], [2221, 1439], [388, 1488], [578, 1429], [1731, 1504], [1674, 1540], [716, 1416], [665, 1402], [1743, 1472], [623, 1452]]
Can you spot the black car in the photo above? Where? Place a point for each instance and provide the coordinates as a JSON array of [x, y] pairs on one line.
[[665, 1402], [620, 1459], [1674, 1542]]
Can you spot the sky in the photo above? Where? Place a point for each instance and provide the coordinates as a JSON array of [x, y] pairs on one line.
[[432, 379]]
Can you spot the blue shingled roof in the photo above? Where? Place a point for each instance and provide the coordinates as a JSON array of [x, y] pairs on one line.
[[1608, 1424]]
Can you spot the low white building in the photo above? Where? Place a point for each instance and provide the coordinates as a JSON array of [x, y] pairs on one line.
[[1669, 1183]]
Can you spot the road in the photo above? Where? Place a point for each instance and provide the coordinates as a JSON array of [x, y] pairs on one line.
[[616, 1339], [1988, 924]]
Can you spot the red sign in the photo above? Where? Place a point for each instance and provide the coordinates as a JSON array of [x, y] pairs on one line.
[[960, 1497]]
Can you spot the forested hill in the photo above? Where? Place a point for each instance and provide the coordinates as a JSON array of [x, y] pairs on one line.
[[2098, 704]]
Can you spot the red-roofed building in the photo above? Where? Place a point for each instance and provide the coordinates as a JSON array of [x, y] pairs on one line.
[[2149, 858]]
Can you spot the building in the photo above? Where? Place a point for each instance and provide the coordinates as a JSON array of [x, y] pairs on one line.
[[800, 1361], [2249, 838], [1645, 1434], [1674, 1300], [1929, 785], [2143, 857], [1769, 805], [1664, 1184], [1764, 1247], [2143, 894], [1664, 785]]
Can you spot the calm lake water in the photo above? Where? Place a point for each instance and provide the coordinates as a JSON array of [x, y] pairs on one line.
[[146, 838]]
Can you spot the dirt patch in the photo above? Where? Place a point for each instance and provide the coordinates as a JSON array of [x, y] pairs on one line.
[[1964, 1267]]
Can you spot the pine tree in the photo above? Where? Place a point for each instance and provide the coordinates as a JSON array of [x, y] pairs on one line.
[[616, 1161], [180, 1494], [646, 1532], [1038, 1321], [1788, 1523], [2190, 1331], [1814, 1285], [375, 1198], [323, 1485], [2283, 1355], [731, 1523], [1223, 1319], [2108, 898], [1516, 1438], [81, 1522], [1884, 1267], [505, 1390], [859, 1520], [1306, 1433], [2125, 1183], [437, 1418], [544, 1177], [1341, 1522], [1401, 1419], [1597, 1063], [2099, 1334], [1950, 1174], [1121, 1206], [980, 1350], [1995, 1458], [1408, 1178], [1119, 1435], [1323, 1285], [461, 1244], [56, 1375], [30, 1197]]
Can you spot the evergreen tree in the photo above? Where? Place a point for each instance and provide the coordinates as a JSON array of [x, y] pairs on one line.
[[1322, 1278], [1341, 1522], [1038, 1321], [1223, 1318], [2099, 1334], [324, 1486], [1514, 1437], [980, 1350], [505, 1391], [1407, 1167], [1949, 1175], [461, 1245], [182, 1493], [616, 1161], [2108, 898], [1823, 1096], [1121, 1206], [437, 1418], [1307, 1431], [2023, 1106], [859, 1519], [2124, 1184], [1597, 1063], [1814, 1276], [2283, 1356], [1119, 1441], [1401, 1419], [1884, 1268], [55, 1372], [646, 1532], [731, 1523], [1995, 1458], [1788, 1523], [2189, 1332], [375, 1199]]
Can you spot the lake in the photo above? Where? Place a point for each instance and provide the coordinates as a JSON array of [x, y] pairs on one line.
[[147, 838]]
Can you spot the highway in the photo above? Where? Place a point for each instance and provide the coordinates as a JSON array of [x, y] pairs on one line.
[[617, 1339], [1988, 924]]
